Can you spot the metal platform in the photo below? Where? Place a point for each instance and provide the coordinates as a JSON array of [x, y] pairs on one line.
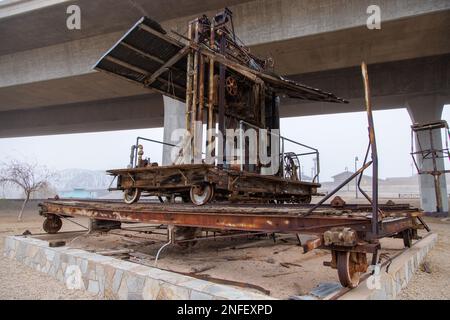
[[229, 184], [345, 230]]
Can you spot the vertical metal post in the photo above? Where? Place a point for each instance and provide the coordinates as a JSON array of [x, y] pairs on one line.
[[282, 157], [373, 147], [189, 85], [211, 127], [436, 174], [356, 180], [201, 103], [222, 70], [194, 93], [241, 145]]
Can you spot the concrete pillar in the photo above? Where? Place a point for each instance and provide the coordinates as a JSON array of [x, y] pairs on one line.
[[423, 110], [174, 118]]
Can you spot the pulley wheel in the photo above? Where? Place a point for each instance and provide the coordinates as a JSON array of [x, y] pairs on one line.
[[231, 85]]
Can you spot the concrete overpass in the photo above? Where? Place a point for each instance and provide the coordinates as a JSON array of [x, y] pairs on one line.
[[47, 85]]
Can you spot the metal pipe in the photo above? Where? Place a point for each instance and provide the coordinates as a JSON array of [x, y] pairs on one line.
[[222, 73], [201, 103], [436, 174], [211, 124], [328, 196], [189, 82], [194, 94], [373, 147], [241, 144]]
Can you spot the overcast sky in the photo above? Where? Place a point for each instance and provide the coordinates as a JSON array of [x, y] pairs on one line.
[[339, 138]]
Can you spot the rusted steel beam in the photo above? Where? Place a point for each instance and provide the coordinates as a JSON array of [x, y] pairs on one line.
[[207, 219], [166, 66]]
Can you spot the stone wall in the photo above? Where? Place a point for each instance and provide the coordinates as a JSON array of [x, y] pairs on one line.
[[110, 278]]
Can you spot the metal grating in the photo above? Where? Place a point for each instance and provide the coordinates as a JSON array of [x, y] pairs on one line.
[[141, 52]]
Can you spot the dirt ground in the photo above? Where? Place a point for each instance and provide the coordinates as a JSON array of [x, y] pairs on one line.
[[432, 280], [280, 267], [21, 282]]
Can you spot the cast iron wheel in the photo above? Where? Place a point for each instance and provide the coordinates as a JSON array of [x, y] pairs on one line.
[[131, 195], [348, 272], [407, 238], [201, 194], [231, 86], [52, 224]]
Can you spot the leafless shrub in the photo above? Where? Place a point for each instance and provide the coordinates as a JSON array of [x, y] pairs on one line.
[[29, 177]]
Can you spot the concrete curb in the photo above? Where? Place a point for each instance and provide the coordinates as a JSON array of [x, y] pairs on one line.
[[110, 278], [400, 272]]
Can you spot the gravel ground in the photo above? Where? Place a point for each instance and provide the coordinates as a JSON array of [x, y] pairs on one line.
[[432, 280], [21, 282]]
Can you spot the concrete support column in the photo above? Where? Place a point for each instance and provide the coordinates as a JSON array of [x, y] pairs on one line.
[[174, 118], [423, 110]]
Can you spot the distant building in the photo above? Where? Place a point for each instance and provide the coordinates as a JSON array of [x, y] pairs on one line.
[[79, 193], [341, 177]]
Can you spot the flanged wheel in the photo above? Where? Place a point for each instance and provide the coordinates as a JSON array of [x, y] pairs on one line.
[[131, 195], [350, 265], [201, 194], [52, 224]]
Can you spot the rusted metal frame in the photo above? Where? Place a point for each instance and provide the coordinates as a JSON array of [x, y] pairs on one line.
[[134, 82], [142, 53], [211, 126], [201, 104], [189, 84], [195, 97], [328, 196], [364, 193], [254, 74], [436, 175], [373, 147], [165, 67], [393, 226], [170, 84], [127, 65], [363, 248], [160, 35], [221, 113], [220, 58], [219, 220], [144, 72], [236, 235]]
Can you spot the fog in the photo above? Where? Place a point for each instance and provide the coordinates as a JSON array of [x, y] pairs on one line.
[[339, 138]]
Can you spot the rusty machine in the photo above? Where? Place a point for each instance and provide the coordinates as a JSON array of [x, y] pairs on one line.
[[224, 86], [222, 82]]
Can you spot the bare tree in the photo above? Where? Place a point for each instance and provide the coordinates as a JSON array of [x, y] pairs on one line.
[[29, 177]]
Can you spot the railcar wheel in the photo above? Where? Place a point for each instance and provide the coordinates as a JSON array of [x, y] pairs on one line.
[[131, 195], [350, 265], [52, 224], [201, 194]]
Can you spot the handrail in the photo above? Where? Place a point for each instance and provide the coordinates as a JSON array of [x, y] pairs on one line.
[[315, 151]]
